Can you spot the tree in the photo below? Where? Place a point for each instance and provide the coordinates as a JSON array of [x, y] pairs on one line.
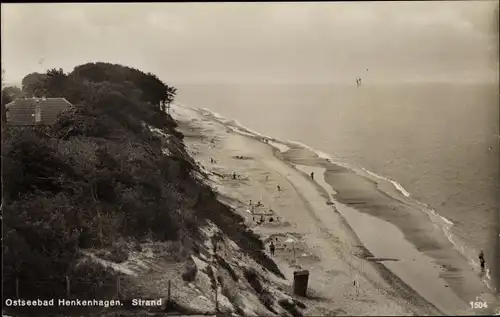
[[170, 96], [55, 82], [4, 101], [13, 92], [34, 84], [8, 95]]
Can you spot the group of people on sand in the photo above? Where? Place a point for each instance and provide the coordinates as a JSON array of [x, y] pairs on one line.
[[234, 175], [258, 204], [262, 218]]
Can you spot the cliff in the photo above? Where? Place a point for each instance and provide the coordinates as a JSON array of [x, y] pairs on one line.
[[107, 204]]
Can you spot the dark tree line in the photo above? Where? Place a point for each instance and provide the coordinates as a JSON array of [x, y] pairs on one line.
[[94, 178], [80, 84]]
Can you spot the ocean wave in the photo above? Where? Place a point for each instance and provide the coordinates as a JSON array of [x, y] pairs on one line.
[[240, 126], [397, 185], [213, 113]]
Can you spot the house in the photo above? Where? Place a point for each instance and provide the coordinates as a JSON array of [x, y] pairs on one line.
[[35, 111]]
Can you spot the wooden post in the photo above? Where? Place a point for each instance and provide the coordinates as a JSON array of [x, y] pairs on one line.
[[118, 286], [17, 287], [216, 298], [100, 225], [67, 287], [169, 288]]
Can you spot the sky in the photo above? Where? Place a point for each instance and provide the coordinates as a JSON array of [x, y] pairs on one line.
[[262, 42]]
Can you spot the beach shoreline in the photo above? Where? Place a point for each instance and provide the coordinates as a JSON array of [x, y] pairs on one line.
[[407, 258]]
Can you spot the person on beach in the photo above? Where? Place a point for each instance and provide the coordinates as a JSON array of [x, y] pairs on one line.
[[279, 188], [272, 248], [312, 175], [234, 175], [481, 260], [267, 178]]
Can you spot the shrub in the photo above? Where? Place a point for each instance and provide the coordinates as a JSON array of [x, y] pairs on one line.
[[190, 271]]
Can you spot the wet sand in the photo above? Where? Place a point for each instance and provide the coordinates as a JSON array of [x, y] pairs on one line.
[[345, 229], [394, 227]]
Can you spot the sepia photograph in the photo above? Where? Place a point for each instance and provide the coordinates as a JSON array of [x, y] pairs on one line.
[[294, 159]]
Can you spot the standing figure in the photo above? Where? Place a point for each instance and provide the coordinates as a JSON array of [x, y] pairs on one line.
[[312, 175], [272, 248], [481, 260]]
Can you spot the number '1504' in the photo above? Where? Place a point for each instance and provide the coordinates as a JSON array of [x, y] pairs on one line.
[[478, 305]]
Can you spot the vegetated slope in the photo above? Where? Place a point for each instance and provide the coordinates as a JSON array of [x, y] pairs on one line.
[[112, 169]]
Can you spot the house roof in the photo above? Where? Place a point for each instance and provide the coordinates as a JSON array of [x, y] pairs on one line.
[[22, 111]]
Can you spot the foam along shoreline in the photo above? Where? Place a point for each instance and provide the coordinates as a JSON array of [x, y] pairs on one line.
[[386, 241], [387, 185], [394, 227], [389, 226]]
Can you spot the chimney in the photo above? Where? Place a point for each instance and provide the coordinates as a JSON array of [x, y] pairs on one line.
[[38, 114]]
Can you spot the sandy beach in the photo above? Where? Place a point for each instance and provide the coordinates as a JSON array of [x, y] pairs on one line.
[[338, 225]]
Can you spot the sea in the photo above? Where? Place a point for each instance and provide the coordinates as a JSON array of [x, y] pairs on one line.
[[436, 142]]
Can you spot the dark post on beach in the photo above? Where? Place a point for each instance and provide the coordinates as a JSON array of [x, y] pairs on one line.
[[300, 281], [481, 260]]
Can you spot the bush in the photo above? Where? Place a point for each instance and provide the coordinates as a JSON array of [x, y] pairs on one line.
[[40, 245], [190, 271], [118, 253], [90, 280], [290, 306]]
